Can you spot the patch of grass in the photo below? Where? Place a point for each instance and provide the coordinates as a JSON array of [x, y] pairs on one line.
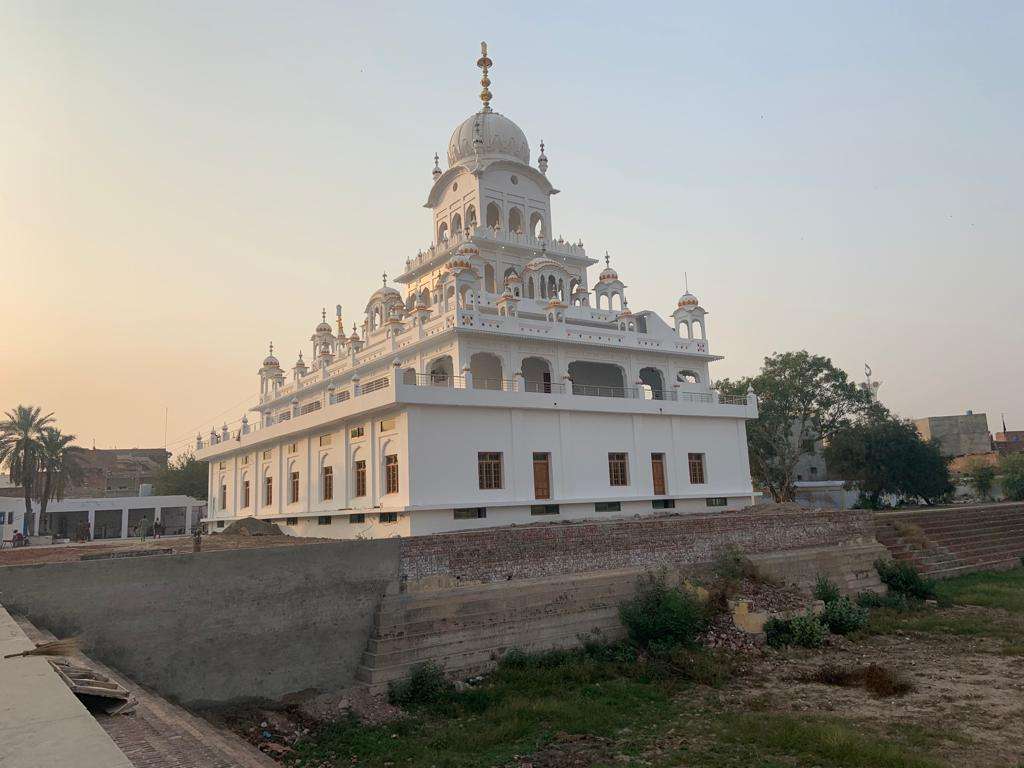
[[773, 740], [903, 578], [885, 621], [990, 589]]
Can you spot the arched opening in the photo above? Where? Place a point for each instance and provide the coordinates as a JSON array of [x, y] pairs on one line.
[[470, 216], [489, 285], [440, 371], [486, 370], [449, 296], [597, 379], [515, 220], [410, 302], [456, 224], [466, 297], [536, 374], [653, 383], [425, 297], [695, 326], [529, 288], [552, 287], [615, 302], [537, 228], [442, 232], [409, 376], [493, 215], [543, 286], [688, 377]]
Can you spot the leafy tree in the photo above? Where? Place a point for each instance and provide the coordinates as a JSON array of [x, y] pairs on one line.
[[57, 467], [1011, 468], [802, 398], [980, 476], [883, 454], [20, 434], [185, 475]]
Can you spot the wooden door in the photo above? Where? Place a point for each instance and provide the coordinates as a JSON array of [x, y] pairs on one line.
[[542, 476], [658, 470]]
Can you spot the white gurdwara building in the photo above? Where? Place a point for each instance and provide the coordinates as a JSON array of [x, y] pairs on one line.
[[494, 388]]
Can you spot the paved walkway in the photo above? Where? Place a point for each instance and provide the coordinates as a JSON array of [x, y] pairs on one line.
[[161, 735]]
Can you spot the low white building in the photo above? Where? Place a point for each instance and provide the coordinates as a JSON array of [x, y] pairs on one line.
[[108, 518], [494, 388]]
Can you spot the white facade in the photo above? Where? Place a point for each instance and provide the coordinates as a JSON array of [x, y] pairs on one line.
[[495, 365], [108, 518]]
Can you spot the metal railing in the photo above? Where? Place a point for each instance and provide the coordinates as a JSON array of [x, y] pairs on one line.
[[373, 386]]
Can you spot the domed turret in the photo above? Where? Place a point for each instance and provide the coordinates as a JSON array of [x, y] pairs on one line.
[[270, 361], [687, 301], [494, 135]]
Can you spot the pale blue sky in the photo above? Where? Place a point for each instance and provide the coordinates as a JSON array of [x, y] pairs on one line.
[[180, 182]]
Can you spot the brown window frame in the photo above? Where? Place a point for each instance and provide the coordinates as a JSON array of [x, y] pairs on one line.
[[658, 475], [327, 482], [293, 487], [489, 470], [223, 496], [618, 468], [698, 468], [359, 467], [245, 494], [268, 491], [391, 473]]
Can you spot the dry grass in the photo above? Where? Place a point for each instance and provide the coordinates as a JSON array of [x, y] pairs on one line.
[[874, 678]]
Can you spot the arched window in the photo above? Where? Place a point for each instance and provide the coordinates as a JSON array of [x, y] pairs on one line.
[[489, 278], [537, 228], [486, 370], [493, 215], [536, 374], [515, 220], [653, 383], [552, 287], [529, 288], [470, 216], [425, 297], [456, 224], [442, 232], [688, 377], [695, 325]]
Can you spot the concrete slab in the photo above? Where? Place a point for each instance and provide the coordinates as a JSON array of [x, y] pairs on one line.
[[42, 723]]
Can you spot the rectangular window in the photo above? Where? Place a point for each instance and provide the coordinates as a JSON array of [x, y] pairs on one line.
[[358, 517], [391, 473], [325, 440], [323, 520], [327, 482], [542, 475], [387, 425], [266, 454], [356, 432], [663, 503], [696, 468], [717, 501], [658, 473], [388, 517], [489, 470], [245, 459], [221, 465], [293, 491], [223, 504], [293, 447], [607, 506], [618, 469], [220, 523], [360, 469], [544, 509], [268, 491], [245, 494], [470, 513], [291, 521]]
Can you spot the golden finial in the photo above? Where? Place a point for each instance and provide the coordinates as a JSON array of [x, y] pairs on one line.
[[485, 63]]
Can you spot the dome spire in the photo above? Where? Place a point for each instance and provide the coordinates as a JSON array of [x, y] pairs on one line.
[[437, 167], [542, 160], [485, 64]]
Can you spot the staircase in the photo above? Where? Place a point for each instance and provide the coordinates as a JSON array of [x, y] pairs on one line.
[[948, 542], [466, 630]]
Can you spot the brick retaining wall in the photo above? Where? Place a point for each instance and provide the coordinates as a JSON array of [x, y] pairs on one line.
[[535, 551]]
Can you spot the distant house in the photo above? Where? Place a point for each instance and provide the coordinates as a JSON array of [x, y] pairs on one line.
[[960, 435], [1009, 442]]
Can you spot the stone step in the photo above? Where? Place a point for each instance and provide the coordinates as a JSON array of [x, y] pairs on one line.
[[1004, 564], [965, 524]]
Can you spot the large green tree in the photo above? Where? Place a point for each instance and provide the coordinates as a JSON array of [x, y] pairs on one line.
[[20, 435], [1011, 469], [981, 476], [185, 475], [802, 398], [885, 455], [57, 467]]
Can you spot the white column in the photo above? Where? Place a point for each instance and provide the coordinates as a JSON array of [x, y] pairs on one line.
[[124, 523], [188, 519], [92, 523]]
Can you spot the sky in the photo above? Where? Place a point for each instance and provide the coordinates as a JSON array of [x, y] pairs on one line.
[[182, 182]]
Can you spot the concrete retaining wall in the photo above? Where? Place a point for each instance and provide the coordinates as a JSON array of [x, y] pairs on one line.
[[213, 627]]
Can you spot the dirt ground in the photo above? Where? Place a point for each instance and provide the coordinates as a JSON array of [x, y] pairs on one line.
[[65, 553]]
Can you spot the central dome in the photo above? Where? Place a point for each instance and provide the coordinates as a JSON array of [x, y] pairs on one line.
[[498, 136]]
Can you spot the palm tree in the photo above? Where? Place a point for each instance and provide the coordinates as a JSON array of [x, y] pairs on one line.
[[57, 466], [20, 434]]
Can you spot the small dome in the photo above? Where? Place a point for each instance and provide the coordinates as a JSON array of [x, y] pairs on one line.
[[608, 274], [323, 328], [513, 277], [385, 293], [498, 136], [687, 301], [271, 362], [468, 250]]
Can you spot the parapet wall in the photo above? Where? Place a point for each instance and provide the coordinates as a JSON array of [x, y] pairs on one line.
[[499, 554]]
